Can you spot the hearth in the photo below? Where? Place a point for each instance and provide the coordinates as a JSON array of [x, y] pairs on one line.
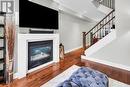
[[39, 53]]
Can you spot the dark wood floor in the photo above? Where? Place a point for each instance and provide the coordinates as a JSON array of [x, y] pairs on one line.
[[41, 76]]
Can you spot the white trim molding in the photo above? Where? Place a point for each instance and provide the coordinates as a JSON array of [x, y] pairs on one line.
[[67, 51], [22, 48], [121, 66], [15, 76]]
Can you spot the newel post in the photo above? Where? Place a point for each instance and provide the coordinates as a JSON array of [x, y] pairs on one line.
[[84, 40]]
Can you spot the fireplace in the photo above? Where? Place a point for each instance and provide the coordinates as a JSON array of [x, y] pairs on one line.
[[24, 40], [39, 53]]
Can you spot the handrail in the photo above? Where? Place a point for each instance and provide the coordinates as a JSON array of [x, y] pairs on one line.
[[95, 34], [100, 22], [104, 25]]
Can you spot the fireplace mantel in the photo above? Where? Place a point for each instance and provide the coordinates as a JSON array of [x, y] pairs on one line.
[[22, 57]]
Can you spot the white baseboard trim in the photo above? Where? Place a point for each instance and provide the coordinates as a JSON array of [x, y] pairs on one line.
[[67, 51], [15, 76], [121, 66]]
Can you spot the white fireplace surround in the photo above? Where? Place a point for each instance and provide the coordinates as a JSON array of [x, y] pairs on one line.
[[23, 40]]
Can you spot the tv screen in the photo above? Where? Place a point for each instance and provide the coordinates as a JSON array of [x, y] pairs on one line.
[[33, 15]]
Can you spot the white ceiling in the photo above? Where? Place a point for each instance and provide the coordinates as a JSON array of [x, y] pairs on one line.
[[83, 8]]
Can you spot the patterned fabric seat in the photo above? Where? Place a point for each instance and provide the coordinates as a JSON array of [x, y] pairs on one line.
[[86, 77]]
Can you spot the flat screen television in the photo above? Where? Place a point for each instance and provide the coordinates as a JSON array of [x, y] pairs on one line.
[[32, 15]]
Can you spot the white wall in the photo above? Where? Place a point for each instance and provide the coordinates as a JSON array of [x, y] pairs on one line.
[[122, 16], [70, 31], [118, 51]]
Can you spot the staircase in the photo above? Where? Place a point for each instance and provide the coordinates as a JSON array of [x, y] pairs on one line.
[[103, 32], [99, 31], [102, 28]]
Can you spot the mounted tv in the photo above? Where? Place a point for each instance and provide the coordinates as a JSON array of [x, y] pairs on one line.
[[32, 15]]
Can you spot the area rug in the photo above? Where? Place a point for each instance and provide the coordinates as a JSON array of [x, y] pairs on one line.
[[67, 73]]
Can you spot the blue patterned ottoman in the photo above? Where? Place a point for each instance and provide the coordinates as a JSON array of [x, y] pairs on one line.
[[86, 77]]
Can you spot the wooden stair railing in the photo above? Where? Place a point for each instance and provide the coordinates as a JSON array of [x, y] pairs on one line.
[[100, 30]]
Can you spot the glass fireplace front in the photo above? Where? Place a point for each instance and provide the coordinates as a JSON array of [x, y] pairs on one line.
[[39, 52]]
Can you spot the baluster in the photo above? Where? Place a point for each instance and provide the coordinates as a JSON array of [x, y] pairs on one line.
[[100, 31], [91, 38], [84, 40], [103, 29], [112, 20], [93, 41], [109, 24], [97, 33], [88, 40], [105, 25]]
